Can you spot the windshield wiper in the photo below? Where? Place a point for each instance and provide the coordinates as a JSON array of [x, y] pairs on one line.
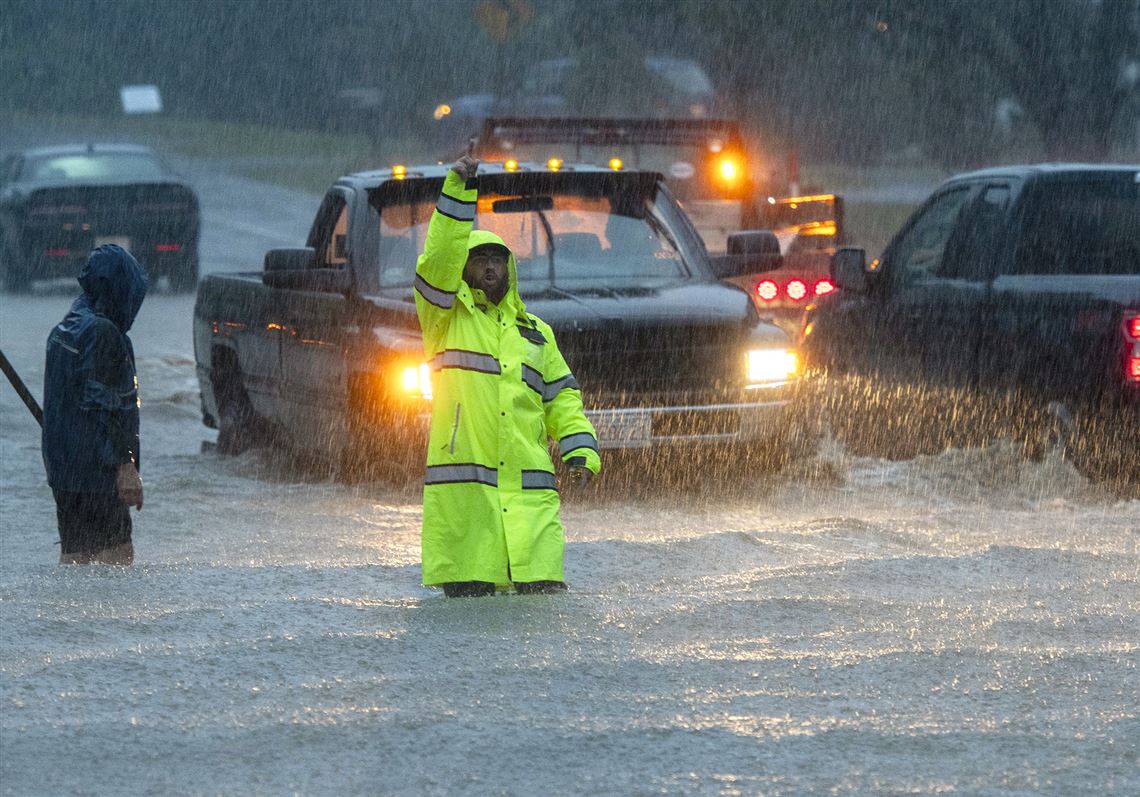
[[549, 243]]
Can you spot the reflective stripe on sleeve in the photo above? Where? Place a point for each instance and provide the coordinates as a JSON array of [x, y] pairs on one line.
[[548, 390], [552, 389], [534, 380], [578, 440], [444, 299], [462, 474], [466, 361], [538, 480], [455, 208]]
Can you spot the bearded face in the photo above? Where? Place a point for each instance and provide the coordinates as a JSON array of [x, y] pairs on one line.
[[486, 269]]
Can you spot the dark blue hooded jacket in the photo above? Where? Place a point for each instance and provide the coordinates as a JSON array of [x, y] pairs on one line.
[[91, 400]]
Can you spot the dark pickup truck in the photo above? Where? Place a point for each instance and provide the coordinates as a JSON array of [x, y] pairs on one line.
[[321, 350], [1007, 306]]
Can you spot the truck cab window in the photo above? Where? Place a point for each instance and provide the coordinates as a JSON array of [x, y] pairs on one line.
[[329, 234], [1081, 227], [918, 253], [973, 243]]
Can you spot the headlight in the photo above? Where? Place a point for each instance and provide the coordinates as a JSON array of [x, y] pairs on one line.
[[416, 381], [771, 365]]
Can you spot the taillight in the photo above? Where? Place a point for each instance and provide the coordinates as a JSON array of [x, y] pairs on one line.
[[57, 252], [796, 290], [167, 247], [1131, 330], [824, 287], [767, 290]]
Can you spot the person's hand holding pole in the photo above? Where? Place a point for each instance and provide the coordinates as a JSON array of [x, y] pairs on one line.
[[129, 485], [467, 164]]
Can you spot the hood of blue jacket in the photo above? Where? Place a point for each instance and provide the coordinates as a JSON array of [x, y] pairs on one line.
[[115, 284]]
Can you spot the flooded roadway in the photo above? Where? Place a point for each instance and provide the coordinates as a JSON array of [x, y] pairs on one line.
[[965, 623]]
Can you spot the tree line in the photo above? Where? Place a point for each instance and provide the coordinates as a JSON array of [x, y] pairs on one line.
[[962, 81]]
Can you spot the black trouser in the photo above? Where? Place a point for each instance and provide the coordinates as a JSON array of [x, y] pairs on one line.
[[476, 589], [91, 522], [468, 589]]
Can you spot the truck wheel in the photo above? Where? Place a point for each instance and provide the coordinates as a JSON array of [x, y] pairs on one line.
[[239, 428], [1103, 451], [235, 428]]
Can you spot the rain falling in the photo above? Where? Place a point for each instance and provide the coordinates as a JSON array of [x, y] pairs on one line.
[[799, 342]]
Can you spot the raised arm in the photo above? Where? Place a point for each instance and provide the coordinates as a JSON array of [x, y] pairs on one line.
[[439, 270]]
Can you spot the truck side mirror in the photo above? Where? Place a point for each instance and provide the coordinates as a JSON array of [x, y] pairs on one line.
[[749, 252], [849, 269], [753, 242], [290, 259]]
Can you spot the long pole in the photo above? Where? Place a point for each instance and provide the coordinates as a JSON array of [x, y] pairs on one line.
[[21, 389]]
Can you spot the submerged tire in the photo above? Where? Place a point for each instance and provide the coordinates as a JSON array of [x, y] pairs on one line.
[[237, 426], [1103, 450]]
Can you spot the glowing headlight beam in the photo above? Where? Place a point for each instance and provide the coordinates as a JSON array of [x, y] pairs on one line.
[[771, 365], [416, 380]]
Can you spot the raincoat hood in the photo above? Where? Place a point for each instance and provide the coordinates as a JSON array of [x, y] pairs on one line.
[[115, 284], [486, 238]]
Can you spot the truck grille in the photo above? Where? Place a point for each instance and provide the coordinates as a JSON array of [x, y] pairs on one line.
[[623, 365]]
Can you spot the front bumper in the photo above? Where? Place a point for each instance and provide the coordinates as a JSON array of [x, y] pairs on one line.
[[698, 425]]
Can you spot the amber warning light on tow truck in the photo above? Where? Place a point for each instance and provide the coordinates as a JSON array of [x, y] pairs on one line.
[[728, 170]]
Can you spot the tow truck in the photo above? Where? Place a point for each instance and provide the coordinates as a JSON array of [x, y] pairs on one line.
[[706, 165]]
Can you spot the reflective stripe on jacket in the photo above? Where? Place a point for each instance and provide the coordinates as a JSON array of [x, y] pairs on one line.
[[500, 388]]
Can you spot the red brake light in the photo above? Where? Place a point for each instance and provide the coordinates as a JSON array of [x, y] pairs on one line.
[[57, 252], [767, 290], [796, 290], [1133, 327], [824, 287], [168, 247]]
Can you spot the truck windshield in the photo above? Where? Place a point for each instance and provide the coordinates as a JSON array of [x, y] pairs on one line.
[[1081, 227], [579, 240]]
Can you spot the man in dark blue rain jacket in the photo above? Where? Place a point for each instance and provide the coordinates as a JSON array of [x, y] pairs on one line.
[[91, 412]]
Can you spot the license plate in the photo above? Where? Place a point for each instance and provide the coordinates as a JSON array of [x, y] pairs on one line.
[[117, 240], [622, 429]]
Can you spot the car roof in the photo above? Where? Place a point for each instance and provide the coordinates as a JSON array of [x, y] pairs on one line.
[[437, 171], [1046, 169], [85, 149]]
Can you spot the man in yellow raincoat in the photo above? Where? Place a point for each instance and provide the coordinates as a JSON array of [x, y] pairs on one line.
[[500, 387]]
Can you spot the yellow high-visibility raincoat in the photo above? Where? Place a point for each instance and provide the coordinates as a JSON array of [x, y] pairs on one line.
[[500, 387]]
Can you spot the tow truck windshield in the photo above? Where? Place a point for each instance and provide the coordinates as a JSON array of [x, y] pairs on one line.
[[562, 238]]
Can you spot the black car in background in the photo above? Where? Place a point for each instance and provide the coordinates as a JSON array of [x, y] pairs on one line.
[[1008, 306], [56, 203]]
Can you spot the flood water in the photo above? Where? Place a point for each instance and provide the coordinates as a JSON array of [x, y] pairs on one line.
[[965, 623]]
